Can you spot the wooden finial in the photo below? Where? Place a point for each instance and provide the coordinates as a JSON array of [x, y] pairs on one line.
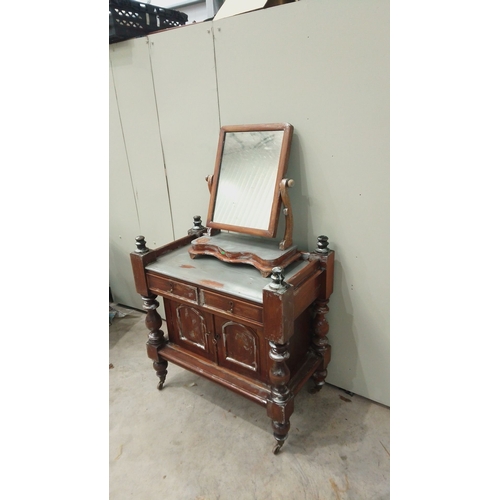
[[197, 222], [197, 225], [277, 278], [322, 244], [140, 242]]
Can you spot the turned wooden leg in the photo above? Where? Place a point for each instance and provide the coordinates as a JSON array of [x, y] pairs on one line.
[[280, 433], [320, 343], [280, 404], [156, 339], [161, 372]]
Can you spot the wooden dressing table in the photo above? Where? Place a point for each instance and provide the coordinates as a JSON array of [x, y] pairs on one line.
[[232, 315]]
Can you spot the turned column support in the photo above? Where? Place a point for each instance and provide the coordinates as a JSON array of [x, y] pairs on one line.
[[280, 404], [279, 373], [278, 328], [319, 340], [320, 343], [156, 338]]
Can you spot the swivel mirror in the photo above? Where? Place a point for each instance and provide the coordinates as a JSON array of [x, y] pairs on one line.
[[247, 191], [251, 161]]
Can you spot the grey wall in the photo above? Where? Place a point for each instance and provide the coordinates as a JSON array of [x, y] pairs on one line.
[[322, 65]]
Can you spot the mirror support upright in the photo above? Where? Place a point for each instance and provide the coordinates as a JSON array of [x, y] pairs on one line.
[[287, 211], [210, 180]]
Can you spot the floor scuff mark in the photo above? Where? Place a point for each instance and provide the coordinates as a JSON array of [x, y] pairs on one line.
[[337, 490], [387, 451], [119, 452]]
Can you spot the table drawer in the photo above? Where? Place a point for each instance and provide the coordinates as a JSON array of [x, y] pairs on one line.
[[171, 287], [231, 306]]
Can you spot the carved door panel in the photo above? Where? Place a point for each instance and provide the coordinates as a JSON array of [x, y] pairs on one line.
[[239, 347], [191, 328]]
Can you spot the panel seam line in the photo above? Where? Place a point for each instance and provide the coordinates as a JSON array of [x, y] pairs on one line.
[[125, 146], [161, 139]]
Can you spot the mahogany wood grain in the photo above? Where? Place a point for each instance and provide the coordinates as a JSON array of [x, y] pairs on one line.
[[172, 288], [300, 341], [139, 261], [240, 348], [307, 292], [246, 387], [139, 273], [227, 315], [219, 302], [320, 342], [156, 338], [305, 372], [278, 314], [174, 245], [287, 211], [265, 266], [304, 274], [329, 263], [191, 328]]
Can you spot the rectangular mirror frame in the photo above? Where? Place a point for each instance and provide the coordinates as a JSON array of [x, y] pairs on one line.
[[270, 232]]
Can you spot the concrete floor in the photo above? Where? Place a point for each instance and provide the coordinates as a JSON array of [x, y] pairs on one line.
[[195, 440]]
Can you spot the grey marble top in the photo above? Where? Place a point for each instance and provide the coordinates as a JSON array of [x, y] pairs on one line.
[[241, 280]]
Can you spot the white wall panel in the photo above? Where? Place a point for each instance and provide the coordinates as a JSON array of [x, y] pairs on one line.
[[123, 219], [323, 66], [136, 101], [186, 93], [133, 87]]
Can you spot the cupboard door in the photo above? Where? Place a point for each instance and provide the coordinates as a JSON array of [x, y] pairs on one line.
[[239, 347], [191, 328]]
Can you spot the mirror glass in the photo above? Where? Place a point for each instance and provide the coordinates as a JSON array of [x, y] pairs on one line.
[[251, 164], [247, 178]]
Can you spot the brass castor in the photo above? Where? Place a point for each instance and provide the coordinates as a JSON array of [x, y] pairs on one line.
[[160, 384], [277, 448]]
